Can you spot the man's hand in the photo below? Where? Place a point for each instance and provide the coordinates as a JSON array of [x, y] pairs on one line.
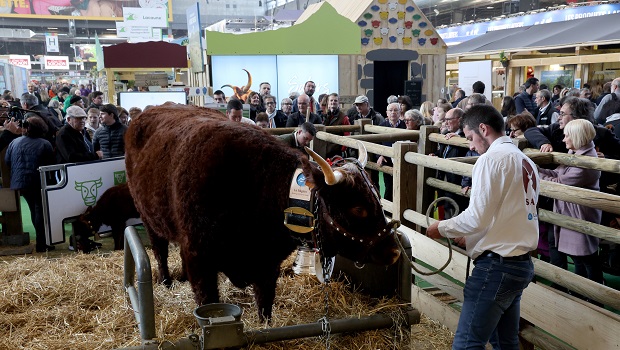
[[433, 231], [465, 189], [546, 148], [100, 154], [460, 241], [451, 135], [380, 161], [12, 126]]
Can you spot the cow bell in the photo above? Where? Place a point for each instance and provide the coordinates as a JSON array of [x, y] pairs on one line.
[[304, 261]]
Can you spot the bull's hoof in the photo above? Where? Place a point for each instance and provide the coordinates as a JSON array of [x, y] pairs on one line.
[[167, 282]]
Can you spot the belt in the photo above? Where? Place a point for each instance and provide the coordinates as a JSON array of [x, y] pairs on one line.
[[490, 254]]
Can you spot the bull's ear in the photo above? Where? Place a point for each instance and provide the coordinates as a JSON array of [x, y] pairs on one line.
[[314, 176]]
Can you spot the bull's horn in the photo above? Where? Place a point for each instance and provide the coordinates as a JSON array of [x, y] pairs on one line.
[[230, 86], [363, 154], [331, 177], [247, 87]]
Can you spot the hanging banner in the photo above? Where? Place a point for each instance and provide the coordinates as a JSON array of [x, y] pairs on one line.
[[20, 61], [195, 38], [56, 62], [51, 42], [145, 17]]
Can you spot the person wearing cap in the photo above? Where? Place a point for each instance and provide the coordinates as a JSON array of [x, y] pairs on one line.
[[76, 101], [362, 105], [73, 143], [109, 138], [73, 92]]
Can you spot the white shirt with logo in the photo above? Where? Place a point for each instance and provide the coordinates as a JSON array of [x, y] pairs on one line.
[[502, 215]]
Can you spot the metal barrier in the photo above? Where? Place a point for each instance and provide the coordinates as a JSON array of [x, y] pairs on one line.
[[141, 296]]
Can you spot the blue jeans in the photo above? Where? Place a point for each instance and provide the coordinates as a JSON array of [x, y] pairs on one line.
[[491, 306]]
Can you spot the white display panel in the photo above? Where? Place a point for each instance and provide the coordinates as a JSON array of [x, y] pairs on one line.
[[295, 70], [285, 73], [471, 72], [80, 185], [128, 99]]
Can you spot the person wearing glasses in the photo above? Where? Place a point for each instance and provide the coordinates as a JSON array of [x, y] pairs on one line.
[[277, 119], [286, 106], [414, 119], [452, 127], [551, 139], [392, 121], [364, 111], [519, 123]]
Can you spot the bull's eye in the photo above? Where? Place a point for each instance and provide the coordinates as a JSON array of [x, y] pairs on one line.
[[359, 212]]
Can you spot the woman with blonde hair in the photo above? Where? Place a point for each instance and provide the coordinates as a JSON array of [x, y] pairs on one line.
[[583, 249], [427, 109]]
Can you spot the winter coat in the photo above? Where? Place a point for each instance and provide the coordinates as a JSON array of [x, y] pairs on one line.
[[24, 156], [569, 241], [110, 140]]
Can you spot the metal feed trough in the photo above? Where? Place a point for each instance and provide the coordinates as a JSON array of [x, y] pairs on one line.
[[221, 323]]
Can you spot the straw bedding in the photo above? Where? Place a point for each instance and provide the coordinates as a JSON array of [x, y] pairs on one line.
[[78, 302]]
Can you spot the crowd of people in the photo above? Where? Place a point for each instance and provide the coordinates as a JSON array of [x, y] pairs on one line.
[[499, 226], [57, 125]]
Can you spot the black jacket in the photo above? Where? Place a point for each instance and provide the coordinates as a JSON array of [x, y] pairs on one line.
[[605, 141], [296, 119], [71, 146], [110, 140], [376, 118], [545, 118]]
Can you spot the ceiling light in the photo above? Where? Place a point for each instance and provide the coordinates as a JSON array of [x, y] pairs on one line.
[[111, 29], [52, 28], [490, 7]]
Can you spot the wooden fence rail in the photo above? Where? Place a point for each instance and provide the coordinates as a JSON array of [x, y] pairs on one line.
[[556, 320]]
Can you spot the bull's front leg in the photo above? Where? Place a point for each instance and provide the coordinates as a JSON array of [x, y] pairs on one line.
[[118, 236], [201, 275], [265, 293], [160, 250]]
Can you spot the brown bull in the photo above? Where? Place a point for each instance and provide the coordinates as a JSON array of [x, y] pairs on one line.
[[219, 189]]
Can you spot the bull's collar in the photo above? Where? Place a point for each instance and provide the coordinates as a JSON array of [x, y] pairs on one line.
[[298, 217]]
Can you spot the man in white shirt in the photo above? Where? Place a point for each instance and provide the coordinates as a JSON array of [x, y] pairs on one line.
[[500, 228]]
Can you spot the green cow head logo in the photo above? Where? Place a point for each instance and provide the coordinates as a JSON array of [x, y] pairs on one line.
[[131, 17], [89, 190], [120, 177]]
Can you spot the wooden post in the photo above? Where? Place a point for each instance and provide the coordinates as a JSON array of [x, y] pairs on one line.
[[405, 181], [319, 146], [425, 195], [363, 122]]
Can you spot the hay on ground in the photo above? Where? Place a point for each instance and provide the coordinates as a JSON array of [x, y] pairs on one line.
[[78, 302]]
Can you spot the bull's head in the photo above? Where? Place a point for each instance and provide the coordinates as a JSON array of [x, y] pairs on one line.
[[352, 222], [243, 92], [88, 189]]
